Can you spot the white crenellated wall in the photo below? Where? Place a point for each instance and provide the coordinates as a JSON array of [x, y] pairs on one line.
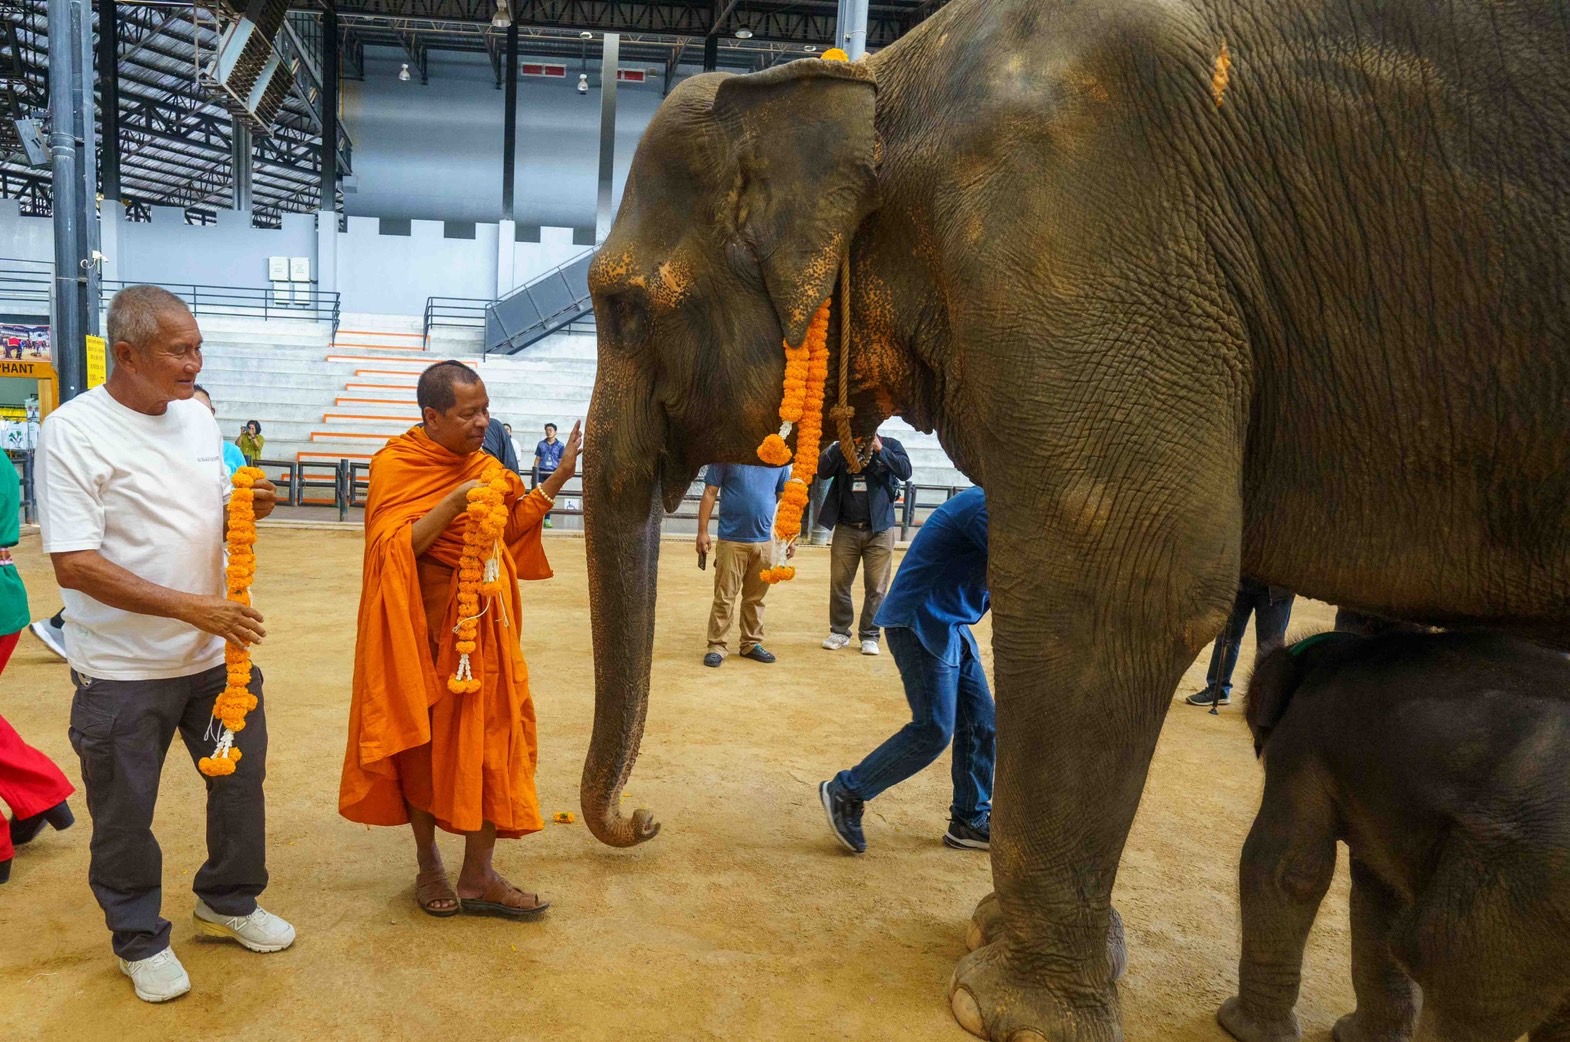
[[373, 273]]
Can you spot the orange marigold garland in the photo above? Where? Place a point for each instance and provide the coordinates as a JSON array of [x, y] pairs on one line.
[[236, 700], [479, 569], [801, 404]]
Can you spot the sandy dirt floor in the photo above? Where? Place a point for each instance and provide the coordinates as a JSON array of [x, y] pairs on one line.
[[742, 920]]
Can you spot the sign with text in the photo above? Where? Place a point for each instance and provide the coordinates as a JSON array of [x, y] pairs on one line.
[[299, 269], [39, 370], [97, 361], [277, 269]]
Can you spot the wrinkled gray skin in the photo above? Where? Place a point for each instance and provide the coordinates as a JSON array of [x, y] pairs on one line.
[[1314, 334], [1443, 762]]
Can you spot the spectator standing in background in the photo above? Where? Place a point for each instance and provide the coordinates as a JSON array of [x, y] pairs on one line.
[[860, 510], [234, 459], [547, 457], [499, 445], [747, 495], [517, 450], [1271, 607], [251, 442]]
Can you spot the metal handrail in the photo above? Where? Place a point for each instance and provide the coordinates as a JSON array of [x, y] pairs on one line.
[[908, 519], [574, 309], [461, 312], [19, 282]]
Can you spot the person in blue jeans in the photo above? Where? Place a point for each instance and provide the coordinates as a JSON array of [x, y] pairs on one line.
[[1271, 607], [939, 592]]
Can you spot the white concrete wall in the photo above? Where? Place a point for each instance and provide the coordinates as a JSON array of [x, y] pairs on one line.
[[374, 273], [229, 253]]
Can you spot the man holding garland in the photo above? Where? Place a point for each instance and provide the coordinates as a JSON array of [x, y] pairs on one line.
[[131, 490], [441, 726]]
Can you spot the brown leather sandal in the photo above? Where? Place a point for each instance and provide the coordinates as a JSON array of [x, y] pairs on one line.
[[505, 901], [433, 886]]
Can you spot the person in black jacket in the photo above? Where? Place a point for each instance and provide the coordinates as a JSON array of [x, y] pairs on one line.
[[860, 510], [499, 445]]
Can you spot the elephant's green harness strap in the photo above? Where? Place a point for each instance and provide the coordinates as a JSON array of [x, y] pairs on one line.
[[1308, 642]]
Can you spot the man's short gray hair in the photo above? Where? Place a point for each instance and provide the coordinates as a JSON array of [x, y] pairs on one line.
[[134, 313]]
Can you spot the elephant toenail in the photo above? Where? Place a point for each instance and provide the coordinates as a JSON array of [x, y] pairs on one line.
[[968, 1013], [974, 938]]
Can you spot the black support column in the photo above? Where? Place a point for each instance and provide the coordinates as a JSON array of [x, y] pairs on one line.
[[711, 52], [329, 198], [510, 125], [109, 97]]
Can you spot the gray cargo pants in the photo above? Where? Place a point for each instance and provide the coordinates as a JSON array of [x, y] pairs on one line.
[[121, 729]]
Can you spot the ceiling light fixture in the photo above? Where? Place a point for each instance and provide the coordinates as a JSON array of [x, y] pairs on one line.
[[583, 83], [744, 33], [403, 73], [810, 48], [503, 17], [586, 35]]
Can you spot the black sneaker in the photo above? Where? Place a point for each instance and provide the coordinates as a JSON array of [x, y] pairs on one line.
[[1209, 697], [759, 653], [844, 817], [961, 836], [713, 658]]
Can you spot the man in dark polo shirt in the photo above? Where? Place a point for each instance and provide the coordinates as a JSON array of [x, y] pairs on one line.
[[860, 510]]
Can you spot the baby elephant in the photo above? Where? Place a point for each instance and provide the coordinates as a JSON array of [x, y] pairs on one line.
[[1443, 761]]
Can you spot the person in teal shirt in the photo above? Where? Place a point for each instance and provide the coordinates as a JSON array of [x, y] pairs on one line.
[[234, 459], [31, 785]]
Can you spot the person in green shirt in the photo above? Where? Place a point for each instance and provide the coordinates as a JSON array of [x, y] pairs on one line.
[[30, 784], [251, 442]]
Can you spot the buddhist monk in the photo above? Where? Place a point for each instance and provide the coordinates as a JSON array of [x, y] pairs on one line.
[[420, 754]]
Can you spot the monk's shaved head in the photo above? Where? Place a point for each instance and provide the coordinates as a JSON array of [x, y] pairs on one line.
[[435, 389]]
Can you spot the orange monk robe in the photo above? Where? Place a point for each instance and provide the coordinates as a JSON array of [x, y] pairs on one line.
[[467, 759]]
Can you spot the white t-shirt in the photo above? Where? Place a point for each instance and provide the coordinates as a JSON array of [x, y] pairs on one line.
[[148, 493]]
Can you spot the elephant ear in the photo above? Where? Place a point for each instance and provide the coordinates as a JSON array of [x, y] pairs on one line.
[[1278, 672], [806, 174]]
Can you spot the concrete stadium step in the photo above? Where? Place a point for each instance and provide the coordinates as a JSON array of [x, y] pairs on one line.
[[502, 408], [384, 332]]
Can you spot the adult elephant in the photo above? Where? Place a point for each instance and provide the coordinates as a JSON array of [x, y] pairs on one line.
[[1195, 288]]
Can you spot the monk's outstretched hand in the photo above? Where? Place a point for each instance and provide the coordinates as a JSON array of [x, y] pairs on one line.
[[571, 451], [235, 622]]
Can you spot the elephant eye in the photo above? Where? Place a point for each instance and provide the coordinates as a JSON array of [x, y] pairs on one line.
[[628, 316]]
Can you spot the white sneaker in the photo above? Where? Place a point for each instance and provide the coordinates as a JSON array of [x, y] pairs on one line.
[[157, 978], [835, 641], [261, 931], [869, 647], [53, 637]]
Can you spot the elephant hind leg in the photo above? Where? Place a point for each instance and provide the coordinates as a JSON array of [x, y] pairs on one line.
[[1387, 999], [1490, 967]]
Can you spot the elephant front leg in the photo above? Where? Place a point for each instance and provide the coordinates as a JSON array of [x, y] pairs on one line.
[[1288, 862], [1387, 999], [1083, 688], [986, 926]]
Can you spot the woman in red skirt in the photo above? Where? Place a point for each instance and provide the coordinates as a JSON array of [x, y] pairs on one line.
[[30, 784]]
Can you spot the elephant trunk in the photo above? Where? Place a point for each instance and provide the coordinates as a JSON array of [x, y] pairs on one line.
[[622, 515]]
